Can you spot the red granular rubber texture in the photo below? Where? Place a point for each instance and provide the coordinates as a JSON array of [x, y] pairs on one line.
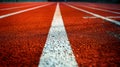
[[22, 37], [90, 42], [108, 25]]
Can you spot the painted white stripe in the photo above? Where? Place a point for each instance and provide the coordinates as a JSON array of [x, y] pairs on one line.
[[117, 35], [21, 11], [93, 17], [110, 8], [96, 15], [101, 9], [15, 7], [57, 51], [105, 6]]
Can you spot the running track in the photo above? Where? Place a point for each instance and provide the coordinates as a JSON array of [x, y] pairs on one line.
[[50, 34]]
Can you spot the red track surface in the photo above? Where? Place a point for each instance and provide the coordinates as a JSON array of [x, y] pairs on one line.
[[22, 37], [113, 7], [8, 5], [27, 5], [95, 42], [91, 43]]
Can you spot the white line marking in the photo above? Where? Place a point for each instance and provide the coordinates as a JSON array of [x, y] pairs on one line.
[[101, 9], [108, 7], [93, 17], [21, 11], [15, 7], [57, 51], [104, 6], [111, 8], [117, 35], [96, 15]]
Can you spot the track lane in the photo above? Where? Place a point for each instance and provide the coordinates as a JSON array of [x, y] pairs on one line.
[[15, 7], [22, 37], [102, 13], [10, 5], [95, 41], [107, 8], [100, 7], [2, 12], [115, 7], [90, 39], [104, 19], [114, 12]]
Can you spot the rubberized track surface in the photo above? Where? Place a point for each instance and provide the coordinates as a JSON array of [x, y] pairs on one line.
[[95, 42]]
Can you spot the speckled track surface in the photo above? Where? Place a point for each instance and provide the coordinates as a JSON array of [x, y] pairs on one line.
[[91, 39], [24, 37]]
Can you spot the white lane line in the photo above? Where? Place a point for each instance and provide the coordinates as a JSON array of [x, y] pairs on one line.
[[100, 9], [104, 6], [93, 17], [96, 15], [117, 35], [21, 11], [15, 7], [57, 51], [110, 8]]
